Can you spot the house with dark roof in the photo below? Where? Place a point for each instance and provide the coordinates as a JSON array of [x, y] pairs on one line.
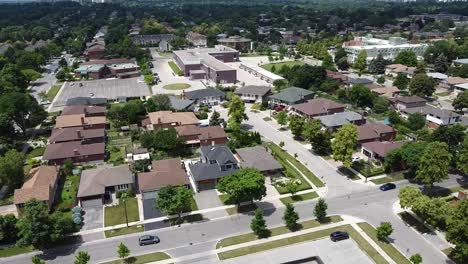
[[208, 96], [377, 150], [317, 107], [85, 136], [169, 172], [335, 121], [96, 184], [352, 81], [435, 116], [290, 96], [202, 136], [375, 132], [253, 93], [402, 102], [337, 76], [95, 49], [40, 185], [181, 104], [258, 158], [215, 162], [87, 110], [57, 153]]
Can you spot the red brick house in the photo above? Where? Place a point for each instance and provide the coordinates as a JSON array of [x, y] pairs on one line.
[[203, 136], [168, 119], [57, 153], [375, 132], [317, 107]]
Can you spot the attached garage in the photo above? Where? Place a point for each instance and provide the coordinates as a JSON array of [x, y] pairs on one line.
[[91, 202], [206, 184], [149, 195]]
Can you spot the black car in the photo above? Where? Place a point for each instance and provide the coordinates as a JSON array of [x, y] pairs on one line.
[[338, 235], [387, 186], [148, 240]]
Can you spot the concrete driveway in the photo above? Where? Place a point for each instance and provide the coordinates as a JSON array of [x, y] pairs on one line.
[[150, 211], [209, 199], [93, 216]]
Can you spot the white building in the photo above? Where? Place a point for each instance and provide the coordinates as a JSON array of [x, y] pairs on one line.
[[388, 48]]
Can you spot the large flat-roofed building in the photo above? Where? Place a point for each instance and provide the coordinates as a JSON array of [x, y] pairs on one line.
[[388, 48], [208, 63]]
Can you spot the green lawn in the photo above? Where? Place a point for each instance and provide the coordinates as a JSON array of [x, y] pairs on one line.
[[391, 251], [242, 209], [362, 243], [115, 215], [274, 232], [37, 152], [283, 156], [299, 198], [176, 86], [116, 154], [53, 91], [147, 258], [348, 173], [386, 179], [409, 219], [68, 188], [124, 231], [175, 68], [278, 65], [7, 252]]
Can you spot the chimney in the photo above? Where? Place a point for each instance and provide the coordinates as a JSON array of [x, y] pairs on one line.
[[76, 152], [78, 133], [159, 120], [82, 120], [85, 110]]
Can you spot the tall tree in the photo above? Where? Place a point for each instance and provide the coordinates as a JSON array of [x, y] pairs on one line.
[[416, 259], [422, 85], [174, 200], [35, 226], [214, 119], [11, 168], [82, 257], [360, 96], [384, 230], [296, 125], [451, 135], [461, 101], [8, 229], [344, 144], [408, 195], [247, 184], [258, 225], [339, 54], [327, 62], [360, 63], [306, 76], [282, 118], [123, 251], [311, 128], [416, 121], [321, 143], [441, 64], [407, 58], [343, 64], [401, 81], [462, 156], [457, 231], [12, 79], [320, 210], [159, 102], [377, 65], [236, 112], [290, 217], [434, 164]]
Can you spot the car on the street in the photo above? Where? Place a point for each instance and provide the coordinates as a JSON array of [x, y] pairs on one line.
[[339, 235], [387, 186], [148, 240]]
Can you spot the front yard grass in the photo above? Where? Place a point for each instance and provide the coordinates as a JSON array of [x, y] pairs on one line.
[[124, 231], [415, 223], [12, 251], [115, 215], [53, 91], [235, 240], [299, 198], [68, 188], [175, 68], [387, 179], [283, 157], [391, 251], [141, 259]]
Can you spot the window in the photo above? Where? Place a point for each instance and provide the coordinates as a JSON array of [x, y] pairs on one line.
[[122, 187]]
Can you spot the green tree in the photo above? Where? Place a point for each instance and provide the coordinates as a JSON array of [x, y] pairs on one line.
[[280, 84], [339, 54], [407, 58], [311, 128], [434, 164], [123, 251], [360, 95], [457, 231], [416, 259], [174, 200], [258, 225], [451, 135], [8, 229], [422, 85], [416, 121], [461, 101], [12, 79], [321, 143], [215, 119], [290, 217], [296, 125], [462, 156], [11, 168], [361, 61], [37, 260], [441, 64], [377, 65], [282, 118], [126, 114], [384, 230], [327, 62], [380, 105], [381, 79], [82, 257], [401, 81], [236, 112], [408, 195], [344, 144], [149, 79], [306, 76], [273, 68], [165, 140], [159, 102], [343, 64], [320, 210], [246, 184]]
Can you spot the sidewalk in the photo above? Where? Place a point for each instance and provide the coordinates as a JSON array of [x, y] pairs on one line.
[[372, 243]]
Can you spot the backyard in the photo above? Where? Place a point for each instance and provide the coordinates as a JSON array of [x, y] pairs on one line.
[[115, 215], [119, 145], [68, 188]]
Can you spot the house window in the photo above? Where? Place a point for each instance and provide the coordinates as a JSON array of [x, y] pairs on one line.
[[121, 187]]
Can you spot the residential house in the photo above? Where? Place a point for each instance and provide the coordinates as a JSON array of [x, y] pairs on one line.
[[87, 110], [40, 185], [258, 158], [395, 69], [317, 107], [335, 121], [85, 136], [434, 116], [378, 150], [437, 76], [253, 93], [375, 132], [215, 162], [452, 82], [102, 183], [208, 97], [168, 119], [95, 49], [80, 120], [403, 102], [202, 136], [77, 152], [138, 154], [352, 81], [162, 41], [386, 91], [180, 104], [197, 39], [236, 42], [169, 172], [290, 96], [337, 76]]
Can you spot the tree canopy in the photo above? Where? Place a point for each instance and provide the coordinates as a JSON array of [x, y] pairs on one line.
[[434, 164], [246, 184], [422, 85], [174, 200], [344, 144]]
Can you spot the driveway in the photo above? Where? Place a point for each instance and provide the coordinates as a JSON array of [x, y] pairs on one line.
[[209, 199], [93, 216], [150, 211]]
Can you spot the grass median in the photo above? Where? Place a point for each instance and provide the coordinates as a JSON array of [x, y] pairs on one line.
[[299, 198], [15, 250], [124, 231], [387, 179], [147, 258]]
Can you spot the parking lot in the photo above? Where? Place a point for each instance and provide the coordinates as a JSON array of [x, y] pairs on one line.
[[112, 89]]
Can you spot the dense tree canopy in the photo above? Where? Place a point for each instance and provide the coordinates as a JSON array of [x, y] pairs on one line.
[[244, 185]]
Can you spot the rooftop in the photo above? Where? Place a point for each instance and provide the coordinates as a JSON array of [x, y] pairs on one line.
[[291, 95], [72, 149], [75, 133], [318, 106], [78, 120], [38, 185], [203, 93], [94, 182], [253, 90], [169, 117], [339, 119], [204, 56], [382, 148], [372, 131], [164, 173], [258, 158], [83, 109]]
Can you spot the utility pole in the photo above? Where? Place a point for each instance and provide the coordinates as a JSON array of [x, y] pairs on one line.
[[124, 199]]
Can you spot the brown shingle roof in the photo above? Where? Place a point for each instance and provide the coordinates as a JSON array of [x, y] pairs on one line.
[[164, 173], [38, 185], [75, 133], [189, 130], [72, 149], [83, 110], [94, 182], [78, 120], [408, 99], [372, 131], [168, 117], [318, 106], [382, 148], [210, 132], [386, 91]]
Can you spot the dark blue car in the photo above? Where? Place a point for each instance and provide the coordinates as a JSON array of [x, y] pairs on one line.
[[387, 186], [339, 235]]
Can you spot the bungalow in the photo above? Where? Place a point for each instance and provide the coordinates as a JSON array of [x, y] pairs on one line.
[[57, 153], [317, 107], [437, 76], [86, 101], [290, 96], [96, 184], [168, 119], [258, 158], [41, 185], [352, 81], [85, 136], [375, 132], [180, 104], [95, 50], [335, 121], [403, 102], [452, 82], [379, 149], [337, 76], [80, 120], [215, 163], [253, 93], [395, 69], [208, 96], [388, 92], [435, 116], [169, 172], [203, 136]]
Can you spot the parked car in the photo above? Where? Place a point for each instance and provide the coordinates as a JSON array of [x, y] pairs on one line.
[[279, 108], [148, 240], [387, 186], [339, 235]]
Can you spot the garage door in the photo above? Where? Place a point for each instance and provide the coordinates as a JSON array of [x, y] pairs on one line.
[[206, 185], [149, 195], [91, 203]]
